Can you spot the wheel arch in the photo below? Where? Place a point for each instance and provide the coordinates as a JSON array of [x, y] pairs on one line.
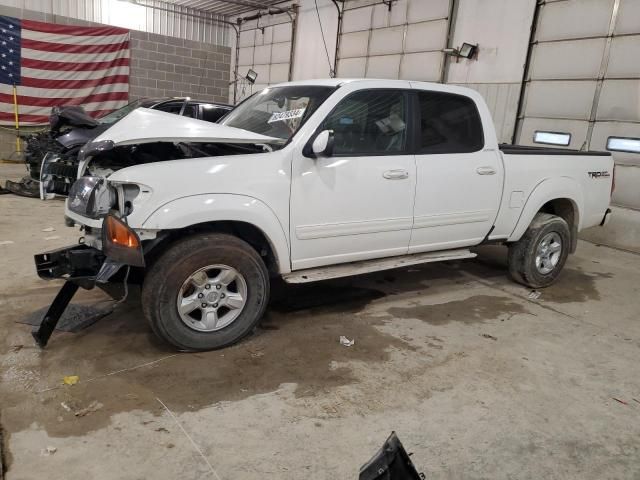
[[244, 217], [559, 196]]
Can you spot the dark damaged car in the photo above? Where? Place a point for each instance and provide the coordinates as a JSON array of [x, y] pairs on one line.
[[72, 127]]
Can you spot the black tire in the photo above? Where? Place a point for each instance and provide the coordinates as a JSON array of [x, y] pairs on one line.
[[522, 254], [165, 278]]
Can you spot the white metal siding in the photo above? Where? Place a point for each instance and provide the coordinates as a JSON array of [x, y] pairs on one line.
[[265, 47], [177, 22], [584, 79], [403, 42]]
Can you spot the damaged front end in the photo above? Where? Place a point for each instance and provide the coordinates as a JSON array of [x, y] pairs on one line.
[[110, 208]]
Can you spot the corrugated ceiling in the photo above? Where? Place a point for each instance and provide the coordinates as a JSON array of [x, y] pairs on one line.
[[226, 7]]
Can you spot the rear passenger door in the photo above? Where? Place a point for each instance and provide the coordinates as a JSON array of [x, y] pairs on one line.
[[459, 174]]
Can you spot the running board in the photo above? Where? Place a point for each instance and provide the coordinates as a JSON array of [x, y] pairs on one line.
[[376, 265]]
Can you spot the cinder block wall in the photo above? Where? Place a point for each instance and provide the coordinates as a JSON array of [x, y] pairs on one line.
[[160, 67], [168, 66]]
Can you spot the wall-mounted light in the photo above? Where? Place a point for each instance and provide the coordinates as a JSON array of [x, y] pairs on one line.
[[251, 76], [623, 144], [467, 50], [552, 138]]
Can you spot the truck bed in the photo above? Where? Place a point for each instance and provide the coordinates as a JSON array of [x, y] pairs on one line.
[[531, 150]]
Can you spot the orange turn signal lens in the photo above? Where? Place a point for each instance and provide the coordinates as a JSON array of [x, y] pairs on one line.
[[120, 234]]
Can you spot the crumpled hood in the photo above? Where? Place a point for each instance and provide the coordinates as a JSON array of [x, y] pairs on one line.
[[144, 125], [73, 115]]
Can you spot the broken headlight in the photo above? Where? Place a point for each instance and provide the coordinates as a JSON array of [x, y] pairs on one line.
[[91, 197]]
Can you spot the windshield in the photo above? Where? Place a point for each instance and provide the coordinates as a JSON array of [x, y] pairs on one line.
[[113, 117], [278, 112]]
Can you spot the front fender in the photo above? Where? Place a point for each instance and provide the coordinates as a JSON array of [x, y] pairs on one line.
[[186, 211], [547, 190]]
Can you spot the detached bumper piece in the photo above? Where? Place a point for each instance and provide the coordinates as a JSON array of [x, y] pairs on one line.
[[391, 462], [79, 264]]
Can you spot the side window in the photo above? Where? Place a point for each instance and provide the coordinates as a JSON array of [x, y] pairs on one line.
[[190, 110], [448, 124], [211, 113], [173, 107], [370, 122]]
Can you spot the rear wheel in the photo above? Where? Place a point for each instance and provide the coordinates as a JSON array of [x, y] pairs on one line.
[[538, 257], [206, 292]]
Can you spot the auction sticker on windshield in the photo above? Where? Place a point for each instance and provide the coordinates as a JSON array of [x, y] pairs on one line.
[[289, 114]]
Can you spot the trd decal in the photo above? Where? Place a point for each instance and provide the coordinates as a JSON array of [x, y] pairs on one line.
[[603, 174]]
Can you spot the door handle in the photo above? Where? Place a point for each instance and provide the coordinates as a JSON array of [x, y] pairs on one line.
[[485, 171], [395, 174]]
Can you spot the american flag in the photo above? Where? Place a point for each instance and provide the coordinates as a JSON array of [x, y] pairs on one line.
[[54, 65]]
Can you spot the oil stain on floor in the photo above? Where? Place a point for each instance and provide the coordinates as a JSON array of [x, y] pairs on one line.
[[475, 309]]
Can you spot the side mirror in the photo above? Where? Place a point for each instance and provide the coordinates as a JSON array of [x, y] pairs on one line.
[[321, 146]]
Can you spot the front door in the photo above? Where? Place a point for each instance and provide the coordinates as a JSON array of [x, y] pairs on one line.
[[459, 175], [358, 203]]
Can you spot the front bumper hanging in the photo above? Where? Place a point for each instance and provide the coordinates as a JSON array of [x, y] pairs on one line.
[[79, 265]]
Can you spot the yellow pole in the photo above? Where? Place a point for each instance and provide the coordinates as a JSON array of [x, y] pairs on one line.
[[15, 114]]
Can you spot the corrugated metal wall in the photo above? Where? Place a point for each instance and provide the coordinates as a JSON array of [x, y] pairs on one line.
[[266, 47], [584, 79], [178, 21], [404, 41]]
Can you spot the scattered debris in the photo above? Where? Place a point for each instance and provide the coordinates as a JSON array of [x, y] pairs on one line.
[[70, 379], [49, 229], [162, 429], [6, 242], [54, 237], [491, 337], [346, 342], [65, 406], [93, 407], [534, 295], [620, 401], [16, 348], [48, 451], [637, 401]]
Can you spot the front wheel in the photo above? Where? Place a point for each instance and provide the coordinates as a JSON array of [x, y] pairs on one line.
[[538, 257], [206, 292]]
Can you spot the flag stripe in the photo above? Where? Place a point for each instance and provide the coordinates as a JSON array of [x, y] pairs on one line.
[[55, 84], [34, 119], [75, 67], [71, 75], [71, 29], [54, 101], [66, 92], [70, 48], [73, 57], [74, 39], [90, 108]]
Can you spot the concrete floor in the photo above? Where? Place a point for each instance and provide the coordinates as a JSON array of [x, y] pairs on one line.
[[478, 380]]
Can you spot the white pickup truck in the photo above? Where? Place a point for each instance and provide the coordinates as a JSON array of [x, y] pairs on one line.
[[307, 181]]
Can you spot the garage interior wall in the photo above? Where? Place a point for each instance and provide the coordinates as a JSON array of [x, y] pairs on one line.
[[501, 30], [178, 21], [270, 53], [265, 47], [402, 39], [161, 65], [584, 80]]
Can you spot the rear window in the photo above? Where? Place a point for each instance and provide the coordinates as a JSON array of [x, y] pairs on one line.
[[449, 123]]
